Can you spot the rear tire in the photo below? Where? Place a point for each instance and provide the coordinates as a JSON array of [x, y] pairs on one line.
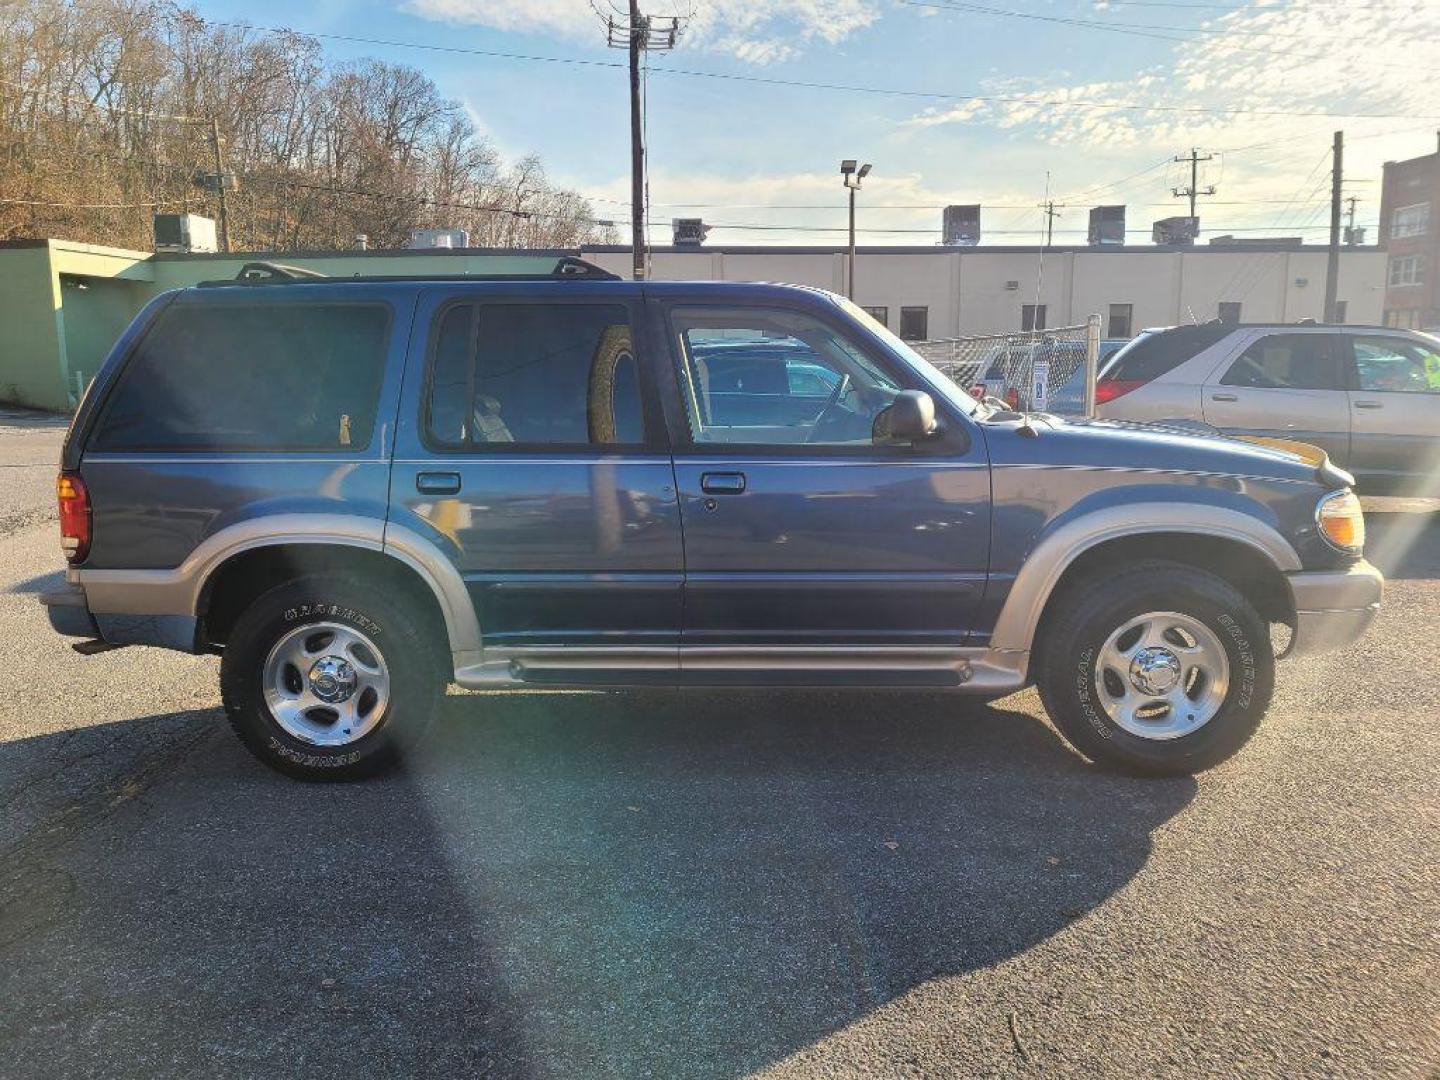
[[323, 678], [1160, 668]]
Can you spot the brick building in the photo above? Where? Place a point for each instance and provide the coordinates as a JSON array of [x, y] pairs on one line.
[[1410, 235]]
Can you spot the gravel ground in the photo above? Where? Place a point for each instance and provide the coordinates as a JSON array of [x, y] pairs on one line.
[[678, 885]]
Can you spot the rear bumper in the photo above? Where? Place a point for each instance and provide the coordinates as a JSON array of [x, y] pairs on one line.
[[69, 613], [1334, 608]]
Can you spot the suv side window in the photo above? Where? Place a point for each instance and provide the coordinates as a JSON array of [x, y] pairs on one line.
[[236, 377], [763, 378], [537, 375], [1288, 362], [1156, 353], [1397, 365]]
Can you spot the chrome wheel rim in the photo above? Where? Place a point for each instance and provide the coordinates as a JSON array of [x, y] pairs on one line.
[[1162, 675], [326, 684]]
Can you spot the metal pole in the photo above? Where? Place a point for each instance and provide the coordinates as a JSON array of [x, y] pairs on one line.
[[850, 280], [1194, 177], [1332, 263], [1092, 361], [637, 149], [220, 185]]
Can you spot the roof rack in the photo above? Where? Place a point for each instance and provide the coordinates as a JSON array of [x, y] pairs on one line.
[[266, 272], [566, 268]]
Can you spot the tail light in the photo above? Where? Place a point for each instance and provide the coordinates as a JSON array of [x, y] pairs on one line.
[[1110, 389], [1012, 398], [74, 516]]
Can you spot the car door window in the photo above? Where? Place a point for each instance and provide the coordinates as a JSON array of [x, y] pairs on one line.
[[1286, 362], [533, 375], [1396, 364], [775, 378]]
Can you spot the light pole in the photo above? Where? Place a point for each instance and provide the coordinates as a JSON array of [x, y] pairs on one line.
[[852, 177]]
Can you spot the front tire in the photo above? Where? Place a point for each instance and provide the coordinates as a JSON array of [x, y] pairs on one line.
[[323, 678], [1158, 668]]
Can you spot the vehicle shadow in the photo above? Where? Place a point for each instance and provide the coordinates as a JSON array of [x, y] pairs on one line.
[[571, 885]]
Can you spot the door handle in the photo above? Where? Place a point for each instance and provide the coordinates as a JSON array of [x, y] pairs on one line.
[[1224, 397], [722, 483], [1368, 405], [437, 483]]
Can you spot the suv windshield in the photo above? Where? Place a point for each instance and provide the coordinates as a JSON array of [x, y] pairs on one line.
[[953, 393]]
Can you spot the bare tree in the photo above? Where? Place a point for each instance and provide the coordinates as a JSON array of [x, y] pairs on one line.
[[105, 113]]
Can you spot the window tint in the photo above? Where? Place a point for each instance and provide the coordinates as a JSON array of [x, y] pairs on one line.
[[1155, 353], [1287, 362], [277, 376], [1396, 364], [773, 378], [535, 374]]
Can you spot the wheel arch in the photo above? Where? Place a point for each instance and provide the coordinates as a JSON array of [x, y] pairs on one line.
[[1229, 543], [238, 562]]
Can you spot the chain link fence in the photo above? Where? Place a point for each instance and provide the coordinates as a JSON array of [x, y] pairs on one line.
[[1045, 370]]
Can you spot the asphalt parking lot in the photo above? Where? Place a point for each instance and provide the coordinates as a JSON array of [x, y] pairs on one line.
[[712, 884]]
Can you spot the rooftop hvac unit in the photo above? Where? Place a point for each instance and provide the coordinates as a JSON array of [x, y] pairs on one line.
[[961, 226], [184, 232], [1176, 230], [1107, 226], [438, 238], [688, 231]]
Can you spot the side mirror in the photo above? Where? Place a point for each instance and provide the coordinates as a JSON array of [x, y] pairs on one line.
[[910, 418]]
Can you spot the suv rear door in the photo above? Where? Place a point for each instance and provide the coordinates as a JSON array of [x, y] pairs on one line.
[[806, 533], [1284, 385], [530, 448], [1394, 405]]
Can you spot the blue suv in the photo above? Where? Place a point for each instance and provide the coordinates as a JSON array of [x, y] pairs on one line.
[[359, 490]]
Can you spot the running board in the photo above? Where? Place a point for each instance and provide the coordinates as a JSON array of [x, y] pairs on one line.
[[972, 670]]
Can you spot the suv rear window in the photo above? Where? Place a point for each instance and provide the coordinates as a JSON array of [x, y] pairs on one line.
[[538, 375], [286, 376], [1155, 353]]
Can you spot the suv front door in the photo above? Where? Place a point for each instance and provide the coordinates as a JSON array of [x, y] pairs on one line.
[[1395, 407], [532, 451], [1284, 386], [802, 531]]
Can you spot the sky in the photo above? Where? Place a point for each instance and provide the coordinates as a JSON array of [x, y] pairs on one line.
[[993, 102]]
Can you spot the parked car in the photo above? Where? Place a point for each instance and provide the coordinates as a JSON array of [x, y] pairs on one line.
[[1368, 395], [357, 490]]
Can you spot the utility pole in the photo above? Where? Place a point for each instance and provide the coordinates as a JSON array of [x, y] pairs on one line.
[[1194, 190], [220, 185], [1051, 212], [1332, 263], [640, 33]]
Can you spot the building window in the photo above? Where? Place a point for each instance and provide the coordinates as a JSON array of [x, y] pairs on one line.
[[1230, 311], [1404, 318], [1032, 316], [1410, 221], [879, 314], [914, 323], [1121, 316], [1341, 307], [1407, 270]]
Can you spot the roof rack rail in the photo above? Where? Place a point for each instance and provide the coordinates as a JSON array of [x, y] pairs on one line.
[[265, 272], [566, 268]]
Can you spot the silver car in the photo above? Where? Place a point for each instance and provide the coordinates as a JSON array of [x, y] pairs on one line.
[[1368, 395]]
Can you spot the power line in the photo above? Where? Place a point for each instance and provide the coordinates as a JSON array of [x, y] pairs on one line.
[[1145, 30], [763, 80]]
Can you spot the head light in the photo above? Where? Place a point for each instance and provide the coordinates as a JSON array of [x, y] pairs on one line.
[[1341, 522]]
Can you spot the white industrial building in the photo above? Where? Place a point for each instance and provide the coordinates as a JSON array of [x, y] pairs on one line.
[[952, 291]]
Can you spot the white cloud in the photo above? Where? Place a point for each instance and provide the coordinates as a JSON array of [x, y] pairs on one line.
[[754, 31]]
